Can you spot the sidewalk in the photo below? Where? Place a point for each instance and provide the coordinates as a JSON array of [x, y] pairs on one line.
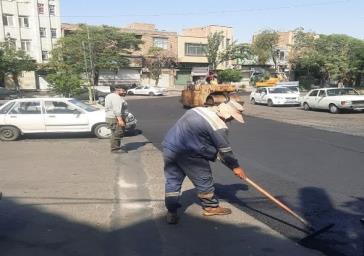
[[236, 234], [71, 196]]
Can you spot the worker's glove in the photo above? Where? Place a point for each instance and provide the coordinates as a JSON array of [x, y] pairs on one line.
[[240, 173]]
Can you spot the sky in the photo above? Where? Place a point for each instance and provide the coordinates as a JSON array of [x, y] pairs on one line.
[[245, 17]]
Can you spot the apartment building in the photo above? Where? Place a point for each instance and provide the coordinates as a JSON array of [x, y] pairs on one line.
[[152, 38], [34, 26], [191, 50]]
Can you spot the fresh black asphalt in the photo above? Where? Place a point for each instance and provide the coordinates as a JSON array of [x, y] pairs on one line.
[[319, 174]]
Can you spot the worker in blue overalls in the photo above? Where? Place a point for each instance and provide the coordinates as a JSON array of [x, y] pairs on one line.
[[198, 137]]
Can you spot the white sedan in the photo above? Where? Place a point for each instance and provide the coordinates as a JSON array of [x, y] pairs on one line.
[[273, 96], [58, 115], [146, 90], [333, 99]]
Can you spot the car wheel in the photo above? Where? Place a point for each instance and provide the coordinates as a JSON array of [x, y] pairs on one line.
[[252, 101], [210, 101], [306, 107], [102, 131], [270, 103], [9, 133], [151, 94], [333, 109], [130, 93]]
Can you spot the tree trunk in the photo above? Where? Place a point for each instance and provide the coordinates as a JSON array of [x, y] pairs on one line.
[[16, 82]]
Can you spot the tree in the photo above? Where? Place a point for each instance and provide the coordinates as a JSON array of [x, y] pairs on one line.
[[212, 48], [265, 47], [95, 48], [65, 82], [235, 51], [230, 75], [327, 57], [156, 60], [13, 62]]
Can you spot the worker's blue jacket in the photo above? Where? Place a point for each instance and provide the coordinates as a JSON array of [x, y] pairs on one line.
[[201, 133]]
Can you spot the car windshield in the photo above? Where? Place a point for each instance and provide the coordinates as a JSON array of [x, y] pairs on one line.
[[84, 106], [279, 90], [339, 92], [293, 88]]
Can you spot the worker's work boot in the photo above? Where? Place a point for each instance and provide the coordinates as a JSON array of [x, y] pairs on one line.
[[211, 211], [172, 218]]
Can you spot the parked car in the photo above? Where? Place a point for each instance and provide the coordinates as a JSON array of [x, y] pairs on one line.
[[333, 99], [146, 90], [53, 115], [6, 94], [99, 95], [273, 96]]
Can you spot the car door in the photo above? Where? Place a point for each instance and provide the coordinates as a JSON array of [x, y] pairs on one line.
[[146, 90], [321, 100], [62, 116], [257, 95], [264, 96], [27, 116], [311, 98]]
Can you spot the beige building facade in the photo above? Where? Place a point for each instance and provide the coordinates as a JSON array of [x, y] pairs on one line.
[[191, 52]]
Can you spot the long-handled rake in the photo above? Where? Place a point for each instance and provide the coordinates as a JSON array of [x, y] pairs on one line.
[[311, 231]]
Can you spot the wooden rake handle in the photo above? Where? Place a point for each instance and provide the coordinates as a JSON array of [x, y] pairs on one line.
[[277, 202]]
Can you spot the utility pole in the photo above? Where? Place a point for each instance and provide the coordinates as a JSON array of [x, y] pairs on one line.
[[92, 66]]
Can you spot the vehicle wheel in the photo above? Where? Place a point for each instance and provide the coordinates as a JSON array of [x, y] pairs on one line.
[[151, 94], [210, 101], [252, 101], [130, 93], [9, 133], [270, 103], [102, 131], [333, 109], [306, 107]]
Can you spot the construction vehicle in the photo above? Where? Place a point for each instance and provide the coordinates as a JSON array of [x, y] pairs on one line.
[[204, 90], [208, 94], [274, 79]]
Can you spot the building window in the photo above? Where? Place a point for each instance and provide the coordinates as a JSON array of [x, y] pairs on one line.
[[24, 21], [44, 55], [26, 45], [160, 42], [195, 49], [52, 9], [8, 20], [40, 8], [43, 32], [54, 32]]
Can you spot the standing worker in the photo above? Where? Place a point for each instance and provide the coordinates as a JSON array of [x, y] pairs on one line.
[[116, 109], [198, 137]]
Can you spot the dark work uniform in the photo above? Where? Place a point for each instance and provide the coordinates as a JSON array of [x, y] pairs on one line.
[[198, 137]]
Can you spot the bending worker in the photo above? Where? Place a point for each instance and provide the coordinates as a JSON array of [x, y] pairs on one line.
[[198, 137]]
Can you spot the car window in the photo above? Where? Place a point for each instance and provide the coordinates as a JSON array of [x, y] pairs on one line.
[[58, 107], [26, 108], [322, 93], [146, 87], [279, 90], [5, 109], [264, 90], [339, 92], [84, 106], [139, 87], [313, 93]]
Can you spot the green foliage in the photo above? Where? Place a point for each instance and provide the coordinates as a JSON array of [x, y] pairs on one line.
[[95, 47], [328, 57], [230, 75], [235, 51], [65, 82], [157, 60], [13, 62], [212, 48], [264, 47]]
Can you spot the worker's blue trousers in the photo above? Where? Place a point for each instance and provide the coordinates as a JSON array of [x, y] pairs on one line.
[[197, 169]]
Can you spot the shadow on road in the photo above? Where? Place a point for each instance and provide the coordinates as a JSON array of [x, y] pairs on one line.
[[30, 230], [347, 236]]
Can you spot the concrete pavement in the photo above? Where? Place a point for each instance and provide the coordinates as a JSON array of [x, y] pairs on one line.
[[70, 196]]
